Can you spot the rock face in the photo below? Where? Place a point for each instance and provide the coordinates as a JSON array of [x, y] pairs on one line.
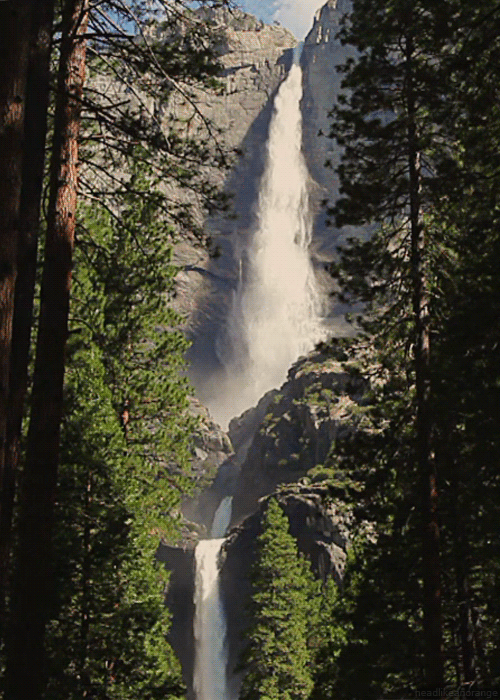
[[180, 601], [212, 447], [201, 509], [256, 59], [303, 421], [288, 433], [321, 55]]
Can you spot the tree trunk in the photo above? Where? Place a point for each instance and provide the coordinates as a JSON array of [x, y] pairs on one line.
[[464, 612], [35, 129], [433, 651], [462, 563], [32, 589], [15, 23]]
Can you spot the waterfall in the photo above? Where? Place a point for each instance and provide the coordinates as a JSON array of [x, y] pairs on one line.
[[274, 317], [275, 312], [209, 623]]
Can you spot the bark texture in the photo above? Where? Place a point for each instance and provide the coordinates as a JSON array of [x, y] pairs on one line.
[[32, 589], [15, 19], [35, 129]]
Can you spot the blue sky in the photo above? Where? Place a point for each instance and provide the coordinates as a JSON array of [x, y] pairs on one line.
[[296, 15]]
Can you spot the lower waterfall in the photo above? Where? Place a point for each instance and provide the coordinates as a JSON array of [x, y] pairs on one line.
[[209, 622]]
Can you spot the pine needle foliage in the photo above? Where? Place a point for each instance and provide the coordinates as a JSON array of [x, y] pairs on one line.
[[124, 457], [283, 612], [448, 55]]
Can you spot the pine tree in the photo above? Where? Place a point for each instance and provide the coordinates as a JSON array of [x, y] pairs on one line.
[[107, 633], [385, 124], [468, 282], [458, 180], [15, 25], [35, 127], [283, 613], [31, 590], [124, 454]]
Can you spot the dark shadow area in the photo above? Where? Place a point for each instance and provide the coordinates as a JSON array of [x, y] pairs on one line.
[[180, 601]]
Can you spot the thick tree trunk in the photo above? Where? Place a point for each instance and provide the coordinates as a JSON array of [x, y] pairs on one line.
[[32, 589], [431, 573], [35, 129], [15, 23]]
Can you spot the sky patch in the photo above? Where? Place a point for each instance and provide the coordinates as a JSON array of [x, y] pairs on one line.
[[296, 15]]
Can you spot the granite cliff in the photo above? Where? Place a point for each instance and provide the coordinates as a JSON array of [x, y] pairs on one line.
[[321, 56], [256, 58]]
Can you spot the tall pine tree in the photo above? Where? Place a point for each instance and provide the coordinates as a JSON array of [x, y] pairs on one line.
[[278, 660]]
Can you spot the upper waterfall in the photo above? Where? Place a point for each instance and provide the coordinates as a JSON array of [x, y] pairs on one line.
[[275, 312]]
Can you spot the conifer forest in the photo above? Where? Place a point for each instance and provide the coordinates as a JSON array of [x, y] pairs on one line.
[[131, 480]]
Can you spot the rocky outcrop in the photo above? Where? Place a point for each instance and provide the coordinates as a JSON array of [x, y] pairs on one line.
[[290, 432], [180, 601], [211, 447], [201, 509], [303, 421]]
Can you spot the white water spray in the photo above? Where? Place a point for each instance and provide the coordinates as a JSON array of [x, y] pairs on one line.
[[275, 313], [209, 623]]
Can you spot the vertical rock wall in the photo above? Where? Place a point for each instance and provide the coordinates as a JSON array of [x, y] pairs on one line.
[[321, 56]]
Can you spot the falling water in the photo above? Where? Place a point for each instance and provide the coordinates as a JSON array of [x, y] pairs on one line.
[[275, 312], [209, 623]]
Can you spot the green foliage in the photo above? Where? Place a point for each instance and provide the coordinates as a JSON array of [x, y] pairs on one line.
[[284, 613], [121, 299], [449, 53], [124, 457]]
